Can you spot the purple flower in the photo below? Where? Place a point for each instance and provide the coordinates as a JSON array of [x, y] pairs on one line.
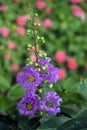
[[28, 105], [51, 103], [44, 61], [30, 78], [50, 74]]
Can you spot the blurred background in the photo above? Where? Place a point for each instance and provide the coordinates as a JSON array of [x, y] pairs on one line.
[[64, 26]]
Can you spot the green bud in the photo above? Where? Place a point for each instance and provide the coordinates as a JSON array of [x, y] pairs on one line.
[[30, 62], [41, 113], [45, 54], [38, 24], [38, 37], [39, 69], [43, 67], [28, 30], [30, 19], [40, 90], [29, 45], [35, 24], [36, 64], [43, 41], [50, 85], [27, 59], [36, 14], [36, 31], [27, 64], [42, 38], [40, 54]]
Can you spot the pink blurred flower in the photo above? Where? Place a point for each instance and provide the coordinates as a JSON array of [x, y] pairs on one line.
[[21, 30], [86, 67], [47, 23], [7, 56], [21, 20], [77, 11], [60, 56], [3, 7], [14, 67], [77, 1], [11, 45], [48, 10], [71, 63], [40, 4], [4, 31], [62, 73], [16, 1]]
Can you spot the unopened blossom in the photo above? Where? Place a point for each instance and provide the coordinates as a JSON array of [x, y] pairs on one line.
[[40, 4], [28, 105], [29, 78], [51, 103]]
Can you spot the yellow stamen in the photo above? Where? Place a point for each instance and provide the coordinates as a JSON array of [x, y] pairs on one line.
[[31, 78], [29, 106]]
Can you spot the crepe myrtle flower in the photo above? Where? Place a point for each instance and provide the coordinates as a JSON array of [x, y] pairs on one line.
[[50, 74], [51, 103], [44, 61], [28, 105], [29, 78]]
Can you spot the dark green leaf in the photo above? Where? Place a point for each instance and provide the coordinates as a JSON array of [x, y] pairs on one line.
[[4, 127], [53, 123], [82, 90], [82, 113], [74, 124]]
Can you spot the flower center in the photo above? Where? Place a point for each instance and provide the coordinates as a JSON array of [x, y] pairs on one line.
[[31, 78], [29, 106], [49, 103]]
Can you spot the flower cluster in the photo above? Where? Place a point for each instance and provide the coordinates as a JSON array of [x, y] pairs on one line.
[[37, 75], [32, 78]]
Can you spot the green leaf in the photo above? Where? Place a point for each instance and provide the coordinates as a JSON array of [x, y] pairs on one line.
[[29, 124], [70, 84], [4, 127], [84, 129], [16, 92], [53, 123], [82, 90], [5, 104], [74, 124], [82, 113], [4, 84]]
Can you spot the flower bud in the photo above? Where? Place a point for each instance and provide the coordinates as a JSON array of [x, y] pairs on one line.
[[36, 14], [43, 67], [50, 85], [40, 90]]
